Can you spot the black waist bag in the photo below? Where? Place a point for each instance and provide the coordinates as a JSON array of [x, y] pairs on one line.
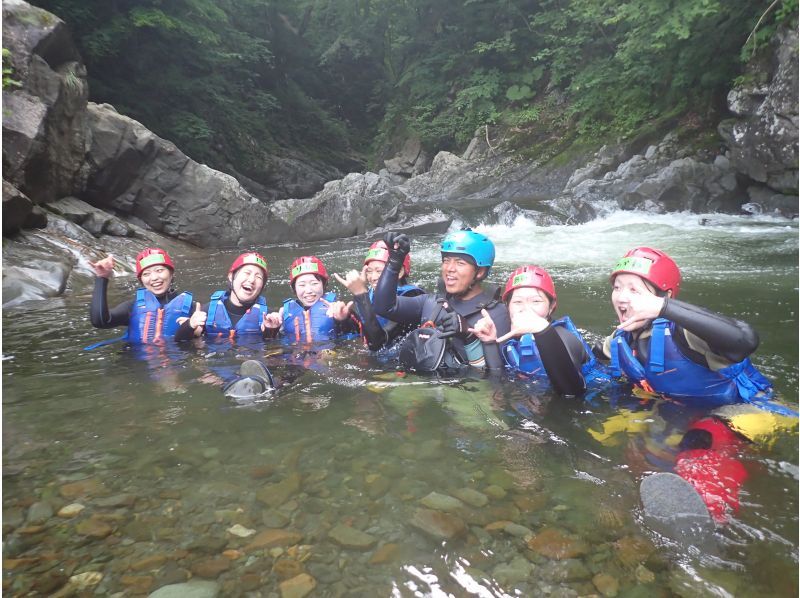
[[427, 350]]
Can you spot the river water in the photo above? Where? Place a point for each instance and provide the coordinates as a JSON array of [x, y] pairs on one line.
[[360, 482]]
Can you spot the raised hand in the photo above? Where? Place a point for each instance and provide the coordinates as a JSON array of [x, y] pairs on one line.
[[104, 267], [272, 320], [641, 308], [399, 247], [485, 329], [354, 281], [339, 310], [525, 322], [198, 319]]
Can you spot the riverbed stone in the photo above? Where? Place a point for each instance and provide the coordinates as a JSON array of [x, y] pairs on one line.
[[273, 537], [555, 544], [94, 528], [276, 494], [438, 525], [71, 510], [385, 554], [349, 537], [442, 502], [472, 497], [118, 500], [190, 589], [606, 584], [298, 587], [85, 487], [518, 569], [39, 512], [211, 568]]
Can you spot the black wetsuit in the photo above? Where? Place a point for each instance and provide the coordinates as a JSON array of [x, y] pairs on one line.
[[562, 356], [703, 336], [422, 308], [378, 336]]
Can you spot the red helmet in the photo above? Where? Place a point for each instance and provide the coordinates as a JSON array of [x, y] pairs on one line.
[[251, 257], [152, 256], [307, 264], [378, 252], [532, 277], [653, 265]]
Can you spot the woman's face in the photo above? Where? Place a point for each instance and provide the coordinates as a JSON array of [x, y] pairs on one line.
[[246, 284], [625, 288], [527, 299], [308, 289], [156, 279], [373, 271]]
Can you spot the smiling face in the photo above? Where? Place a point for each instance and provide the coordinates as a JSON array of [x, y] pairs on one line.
[[156, 279], [624, 287], [458, 273], [246, 284], [308, 289], [373, 271], [526, 300]]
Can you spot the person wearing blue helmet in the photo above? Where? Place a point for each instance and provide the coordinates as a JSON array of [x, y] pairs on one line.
[[463, 298]]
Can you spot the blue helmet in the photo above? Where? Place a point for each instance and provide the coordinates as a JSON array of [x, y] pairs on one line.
[[468, 242]]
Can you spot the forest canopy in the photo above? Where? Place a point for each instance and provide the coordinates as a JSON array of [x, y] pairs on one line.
[[232, 81]]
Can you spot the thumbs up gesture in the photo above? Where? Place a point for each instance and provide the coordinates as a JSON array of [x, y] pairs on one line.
[[198, 319]]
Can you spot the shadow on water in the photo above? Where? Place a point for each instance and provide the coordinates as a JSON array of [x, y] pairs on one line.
[[132, 465]]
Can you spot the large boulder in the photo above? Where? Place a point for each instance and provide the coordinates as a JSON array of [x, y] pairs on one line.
[[763, 138], [43, 118], [134, 172], [351, 206], [665, 178]]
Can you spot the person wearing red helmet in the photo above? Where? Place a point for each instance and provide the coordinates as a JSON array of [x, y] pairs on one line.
[[154, 313], [313, 314], [695, 356], [536, 345], [238, 311], [378, 332], [674, 348]]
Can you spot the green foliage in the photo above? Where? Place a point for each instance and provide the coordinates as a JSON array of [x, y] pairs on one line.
[[233, 80], [8, 81], [773, 16]]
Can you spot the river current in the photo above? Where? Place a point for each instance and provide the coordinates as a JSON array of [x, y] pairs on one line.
[[125, 471]]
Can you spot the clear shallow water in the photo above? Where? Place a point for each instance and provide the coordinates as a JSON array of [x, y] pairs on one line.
[[165, 466]]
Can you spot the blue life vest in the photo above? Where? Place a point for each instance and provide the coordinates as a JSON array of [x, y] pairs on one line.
[[669, 372], [150, 321], [301, 325], [402, 290], [523, 355], [218, 322]]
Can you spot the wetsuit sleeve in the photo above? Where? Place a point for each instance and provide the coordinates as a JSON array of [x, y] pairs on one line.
[[100, 315], [405, 310], [729, 338], [374, 333], [562, 359]]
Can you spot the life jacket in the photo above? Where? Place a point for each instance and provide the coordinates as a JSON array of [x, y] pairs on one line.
[[669, 372], [523, 355], [406, 290], [150, 321], [301, 325], [218, 322], [449, 353]]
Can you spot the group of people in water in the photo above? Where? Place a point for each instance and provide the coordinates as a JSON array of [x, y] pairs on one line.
[[662, 345]]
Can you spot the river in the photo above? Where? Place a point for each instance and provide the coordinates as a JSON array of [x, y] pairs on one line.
[[361, 482]]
